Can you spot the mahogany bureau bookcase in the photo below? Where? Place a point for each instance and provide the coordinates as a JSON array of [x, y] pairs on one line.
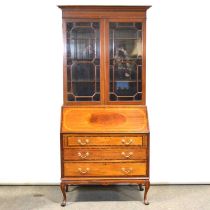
[[104, 124]]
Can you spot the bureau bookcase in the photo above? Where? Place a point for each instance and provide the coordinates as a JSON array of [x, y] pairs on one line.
[[104, 123]]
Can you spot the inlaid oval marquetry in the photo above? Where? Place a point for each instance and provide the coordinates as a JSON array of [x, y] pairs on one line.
[[107, 118]]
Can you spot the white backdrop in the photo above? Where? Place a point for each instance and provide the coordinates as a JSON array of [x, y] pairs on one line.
[[178, 66]]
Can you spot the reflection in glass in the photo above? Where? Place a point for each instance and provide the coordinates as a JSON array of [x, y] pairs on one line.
[[125, 47], [83, 72], [83, 61]]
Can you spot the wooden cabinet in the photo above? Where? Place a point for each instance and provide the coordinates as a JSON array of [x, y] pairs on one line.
[[104, 121]]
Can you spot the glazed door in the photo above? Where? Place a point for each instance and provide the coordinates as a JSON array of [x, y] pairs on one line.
[[82, 62], [104, 61], [125, 68]]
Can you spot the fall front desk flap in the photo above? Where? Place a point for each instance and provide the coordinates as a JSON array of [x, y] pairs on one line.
[[104, 120]]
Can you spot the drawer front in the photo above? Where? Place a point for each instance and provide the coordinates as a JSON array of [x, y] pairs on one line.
[[104, 140], [104, 169], [105, 154]]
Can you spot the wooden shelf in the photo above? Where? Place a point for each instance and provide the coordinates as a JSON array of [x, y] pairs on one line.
[[77, 81], [83, 38], [125, 81], [124, 38]]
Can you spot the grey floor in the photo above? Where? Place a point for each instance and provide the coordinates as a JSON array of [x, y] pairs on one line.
[[170, 197]]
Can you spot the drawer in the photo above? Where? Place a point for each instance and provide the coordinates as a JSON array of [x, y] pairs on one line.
[[105, 153], [105, 169], [103, 140]]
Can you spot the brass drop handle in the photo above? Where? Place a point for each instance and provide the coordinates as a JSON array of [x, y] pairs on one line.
[[83, 171], [86, 141], [126, 170], [127, 142], [128, 155], [83, 156]]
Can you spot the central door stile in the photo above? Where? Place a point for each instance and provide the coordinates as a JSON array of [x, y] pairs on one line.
[[103, 61], [106, 60]]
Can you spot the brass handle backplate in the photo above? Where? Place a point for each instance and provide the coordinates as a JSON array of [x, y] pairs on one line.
[[86, 141], [83, 171], [127, 142], [83, 156], [126, 170], [127, 155]]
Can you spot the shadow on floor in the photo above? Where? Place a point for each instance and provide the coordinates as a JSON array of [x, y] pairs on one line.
[[50, 197], [104, 193]]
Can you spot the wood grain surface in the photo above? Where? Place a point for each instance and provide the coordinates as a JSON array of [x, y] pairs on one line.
[[104, 153], [104, 120], [100, 140], [104, 169]]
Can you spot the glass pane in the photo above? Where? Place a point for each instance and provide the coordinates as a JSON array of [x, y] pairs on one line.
[[83, 72], [125, 51], [83, 61], [83, 88]]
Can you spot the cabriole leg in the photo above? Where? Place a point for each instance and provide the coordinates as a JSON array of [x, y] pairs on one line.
[[147, 186], [63, 190]]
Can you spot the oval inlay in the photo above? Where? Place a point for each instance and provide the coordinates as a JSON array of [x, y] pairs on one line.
[[107, 118]]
